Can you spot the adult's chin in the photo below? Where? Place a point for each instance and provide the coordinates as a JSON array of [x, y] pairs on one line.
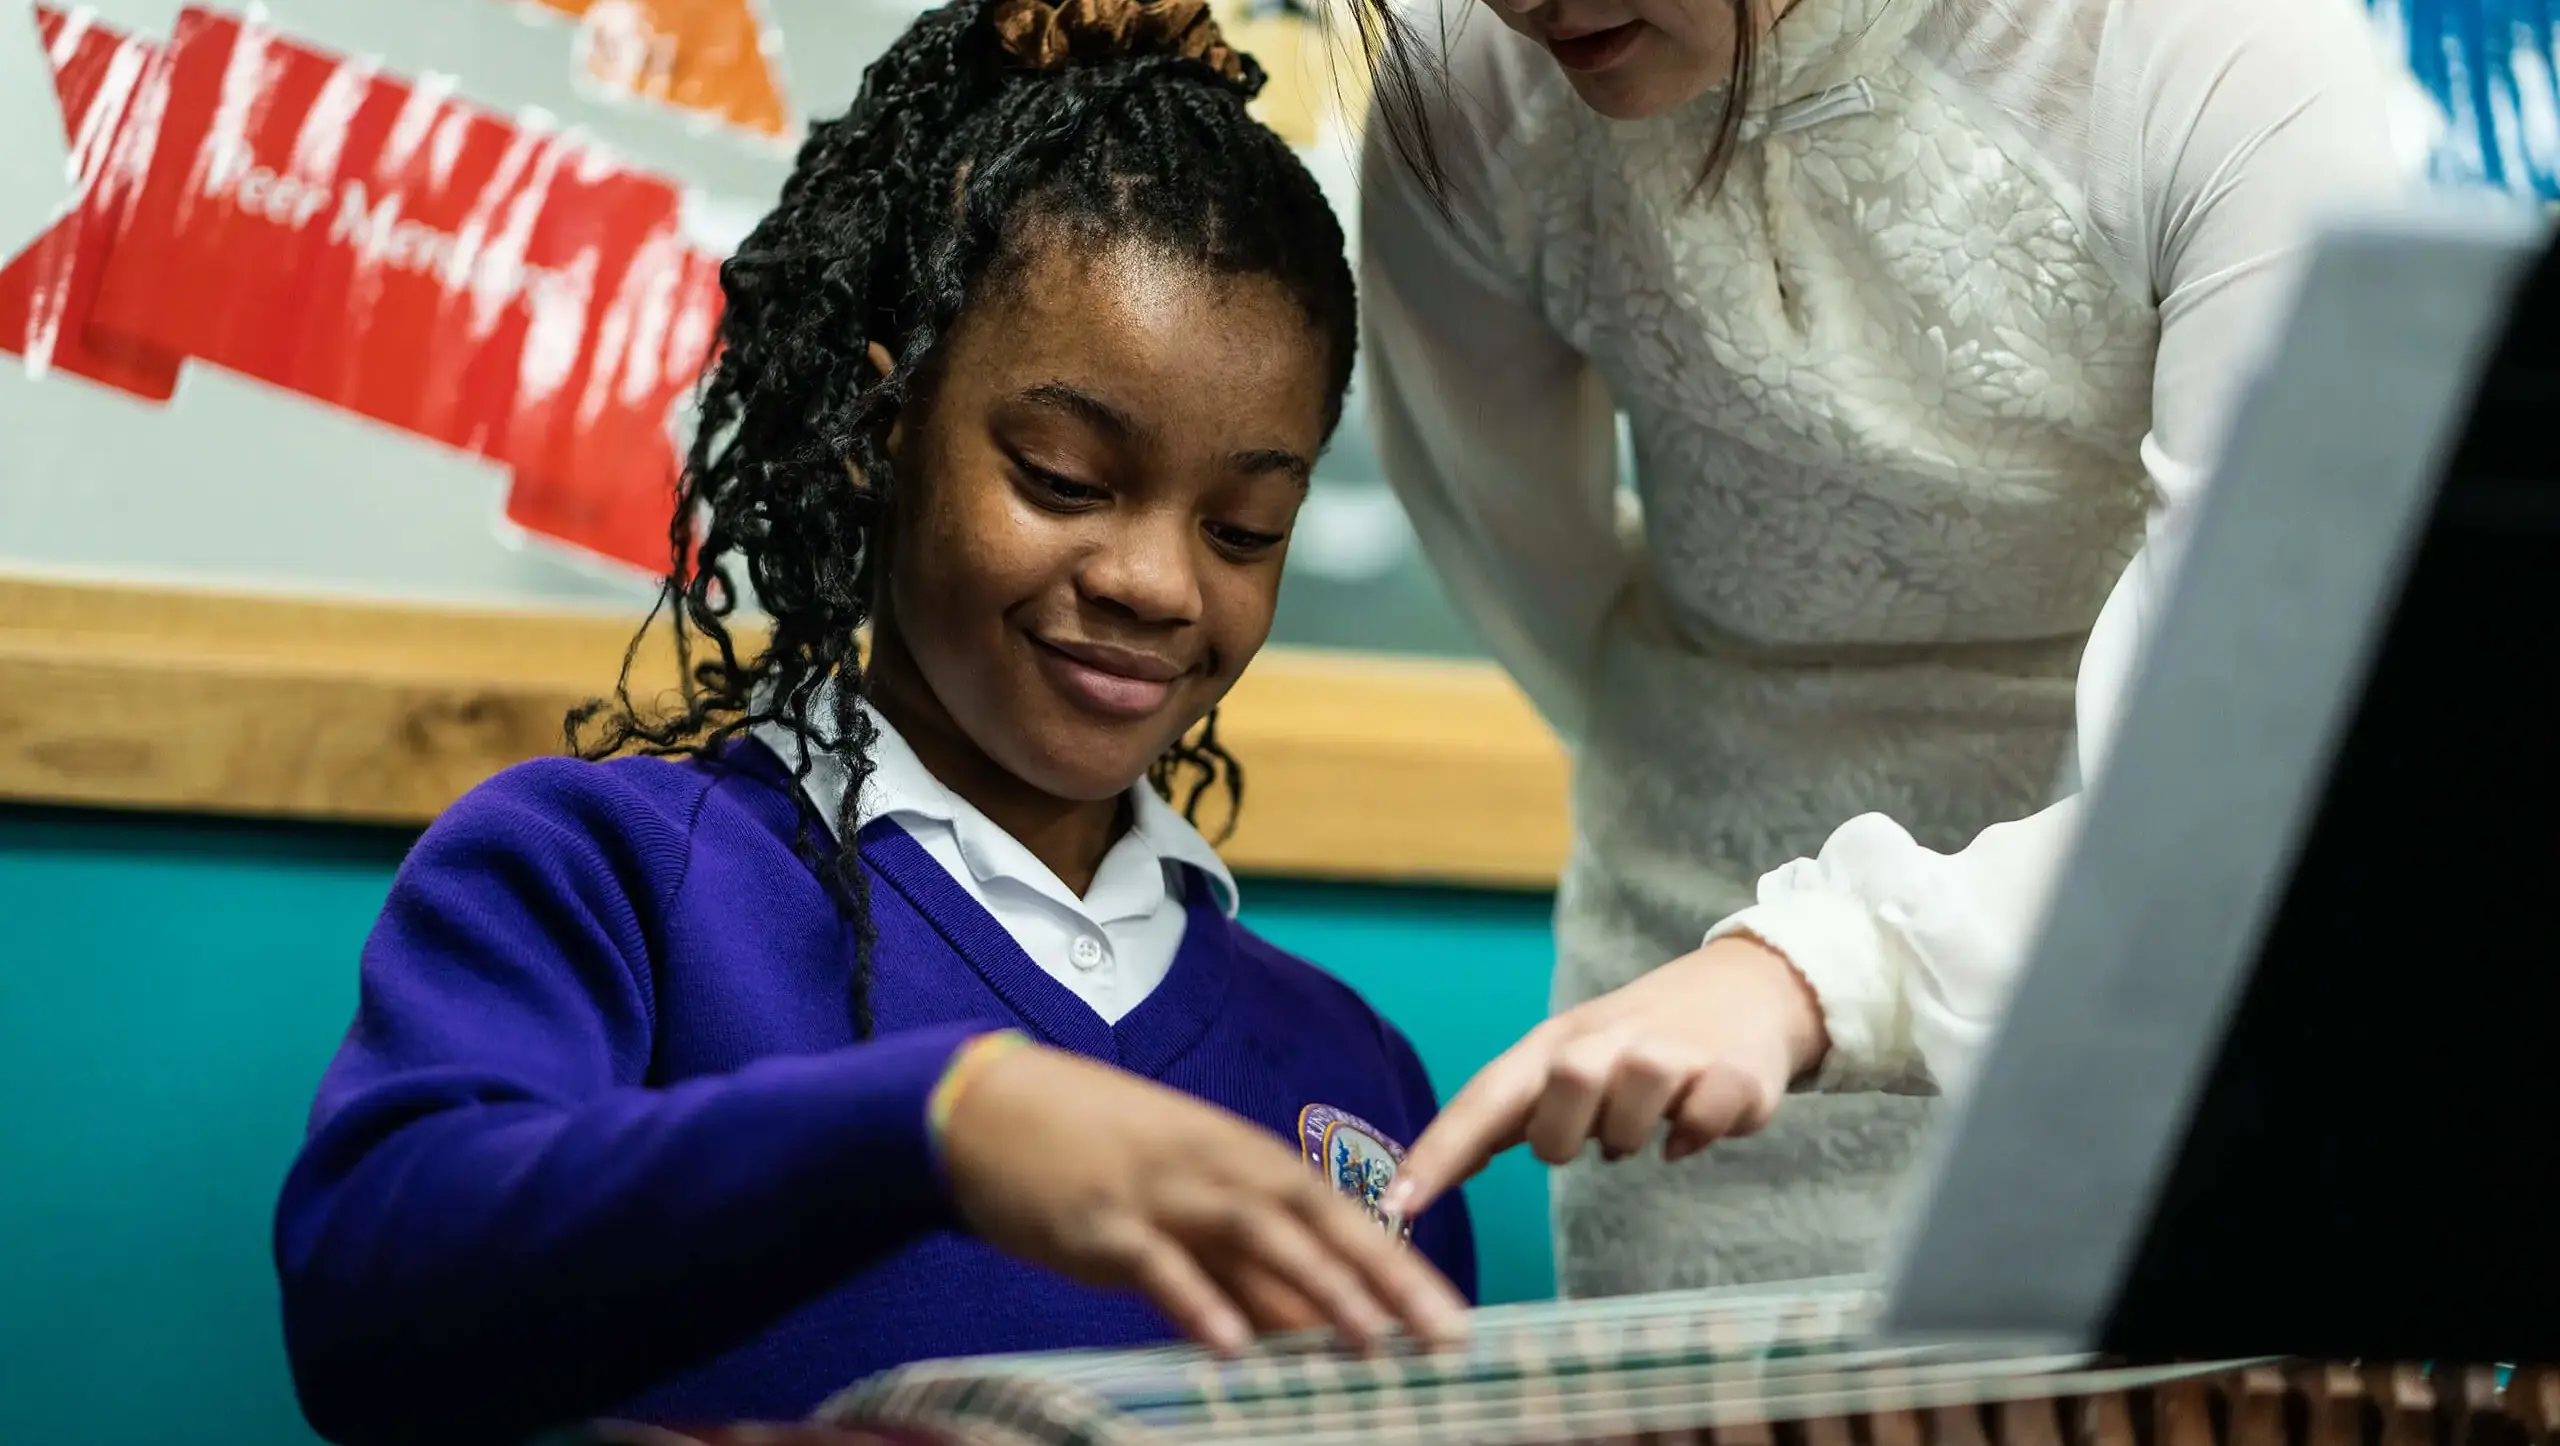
[[1637, 91]]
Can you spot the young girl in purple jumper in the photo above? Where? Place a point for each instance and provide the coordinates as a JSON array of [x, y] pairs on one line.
[[869, 1005]]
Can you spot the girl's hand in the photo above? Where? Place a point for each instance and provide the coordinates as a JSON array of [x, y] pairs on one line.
[[1119, 1182], [1708, 1042]]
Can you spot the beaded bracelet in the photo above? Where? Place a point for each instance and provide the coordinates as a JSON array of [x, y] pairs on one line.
[[966, 1062]]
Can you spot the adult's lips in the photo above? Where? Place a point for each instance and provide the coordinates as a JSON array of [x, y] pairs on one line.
[[1592, 50]]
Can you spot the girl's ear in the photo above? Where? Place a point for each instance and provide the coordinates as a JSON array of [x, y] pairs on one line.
[[882, 363]]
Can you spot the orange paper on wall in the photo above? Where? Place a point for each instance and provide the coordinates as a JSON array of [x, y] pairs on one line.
[[708, 56]]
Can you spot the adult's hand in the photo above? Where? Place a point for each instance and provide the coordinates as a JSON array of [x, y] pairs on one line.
[[1707, 1043], [1120, 1182]]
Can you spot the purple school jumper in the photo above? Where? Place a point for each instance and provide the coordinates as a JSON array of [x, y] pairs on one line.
[[601, 1139]]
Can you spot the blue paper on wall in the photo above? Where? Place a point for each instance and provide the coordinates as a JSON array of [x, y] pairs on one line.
[[2489, 64]]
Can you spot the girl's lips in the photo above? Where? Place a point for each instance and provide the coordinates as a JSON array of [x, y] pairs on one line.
[[1111, 689], [1595, 50]]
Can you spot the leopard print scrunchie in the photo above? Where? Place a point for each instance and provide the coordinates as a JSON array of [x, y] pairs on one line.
[[1045, 34]]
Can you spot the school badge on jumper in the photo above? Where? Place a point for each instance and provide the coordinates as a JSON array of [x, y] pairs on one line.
[[1357, 1157]]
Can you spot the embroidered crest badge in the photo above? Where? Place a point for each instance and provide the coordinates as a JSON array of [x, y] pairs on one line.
[[1357, 1157]]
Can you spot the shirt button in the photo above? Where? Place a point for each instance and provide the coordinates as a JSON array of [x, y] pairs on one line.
[[1087, 952]]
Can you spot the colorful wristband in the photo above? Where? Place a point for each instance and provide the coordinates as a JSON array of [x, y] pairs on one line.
[[966, 1063]]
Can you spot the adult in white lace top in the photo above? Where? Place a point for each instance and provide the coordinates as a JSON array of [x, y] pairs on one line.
[[1919, 387]]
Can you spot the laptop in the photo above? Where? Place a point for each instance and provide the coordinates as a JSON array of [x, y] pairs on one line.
[[2282, 1075]]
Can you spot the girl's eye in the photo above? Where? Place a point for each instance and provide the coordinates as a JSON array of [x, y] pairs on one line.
[[1243, 542], [1061, 491]]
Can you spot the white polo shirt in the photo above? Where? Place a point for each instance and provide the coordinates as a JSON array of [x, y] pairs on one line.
[[1110, 948]]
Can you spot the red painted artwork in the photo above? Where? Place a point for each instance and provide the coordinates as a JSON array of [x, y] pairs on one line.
[[108, 84], [380, 245]]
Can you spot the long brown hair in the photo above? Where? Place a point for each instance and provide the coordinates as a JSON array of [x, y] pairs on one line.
[[1407, 72]]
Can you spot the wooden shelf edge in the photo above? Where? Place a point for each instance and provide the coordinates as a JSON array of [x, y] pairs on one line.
[[1359, 767]]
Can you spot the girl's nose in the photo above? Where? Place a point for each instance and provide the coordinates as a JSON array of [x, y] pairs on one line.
[[1149, 570]]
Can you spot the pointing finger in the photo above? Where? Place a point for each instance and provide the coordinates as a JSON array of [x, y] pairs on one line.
[[1486, 1118]]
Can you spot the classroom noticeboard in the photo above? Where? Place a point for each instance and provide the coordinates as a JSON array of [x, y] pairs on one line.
[[518, 280], [344, 300]]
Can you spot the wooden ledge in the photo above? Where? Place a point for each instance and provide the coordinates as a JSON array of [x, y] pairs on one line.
[[1357, 767]]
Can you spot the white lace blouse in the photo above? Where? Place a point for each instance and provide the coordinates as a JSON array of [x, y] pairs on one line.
[[1952, 343]]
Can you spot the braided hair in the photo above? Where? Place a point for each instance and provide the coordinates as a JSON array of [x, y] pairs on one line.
[[987, 122]]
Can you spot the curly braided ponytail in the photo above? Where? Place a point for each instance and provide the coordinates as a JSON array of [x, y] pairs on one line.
[[1120, 118]]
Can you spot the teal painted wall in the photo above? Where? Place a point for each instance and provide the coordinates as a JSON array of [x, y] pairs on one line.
[[170, 989]]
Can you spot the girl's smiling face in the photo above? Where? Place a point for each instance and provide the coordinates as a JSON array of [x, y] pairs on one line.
[[1095, 499]]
